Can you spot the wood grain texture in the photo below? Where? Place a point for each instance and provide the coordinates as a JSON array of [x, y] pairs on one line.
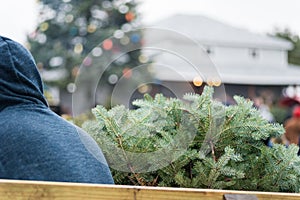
[[36, 190]]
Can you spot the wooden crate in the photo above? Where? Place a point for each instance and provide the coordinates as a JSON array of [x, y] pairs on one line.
[[35, 190]]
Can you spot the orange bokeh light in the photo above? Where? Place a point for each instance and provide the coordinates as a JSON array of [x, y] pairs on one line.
[[129, 16], [198, 81], [127, 73], [107, 44]]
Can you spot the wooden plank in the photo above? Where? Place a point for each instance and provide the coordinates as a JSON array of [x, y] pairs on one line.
[[32, 190]]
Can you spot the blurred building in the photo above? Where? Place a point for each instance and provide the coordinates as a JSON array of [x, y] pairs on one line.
[[187, 52], [248, 64]]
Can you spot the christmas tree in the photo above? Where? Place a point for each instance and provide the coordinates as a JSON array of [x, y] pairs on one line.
[[69, 30]]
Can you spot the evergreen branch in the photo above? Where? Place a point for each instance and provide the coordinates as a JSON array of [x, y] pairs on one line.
[[227, 152], [111, 123]]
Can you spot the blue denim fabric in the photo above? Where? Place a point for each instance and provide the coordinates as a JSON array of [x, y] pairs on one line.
[[35, 143]]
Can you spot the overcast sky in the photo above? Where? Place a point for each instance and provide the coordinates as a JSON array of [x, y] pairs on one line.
[[18, 17]]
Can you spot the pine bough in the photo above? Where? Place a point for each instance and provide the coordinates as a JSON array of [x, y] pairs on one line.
[[225, 148]]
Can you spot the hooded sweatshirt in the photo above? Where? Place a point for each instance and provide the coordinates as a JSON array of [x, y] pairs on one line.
[[35, 143]]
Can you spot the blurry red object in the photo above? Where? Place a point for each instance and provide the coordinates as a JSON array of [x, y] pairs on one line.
[[296, 112], [288, 101]]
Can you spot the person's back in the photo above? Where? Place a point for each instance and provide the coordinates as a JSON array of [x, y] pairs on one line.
[[35, 143]]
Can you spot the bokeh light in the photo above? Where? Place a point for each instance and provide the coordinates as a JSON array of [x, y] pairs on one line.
[[123, 9], [92, 28], [113, 79], [210, 81], [118, 34], [107, 44], [97, 51], [56, 61], [69, 18], [135, 38], [127, 73], [125, 40], [71, 87], [44, 26], [129, 16], [197, 81], [144, 88], [75, 71], [217, 81], [143, 58], [87, 61], [78, 48]]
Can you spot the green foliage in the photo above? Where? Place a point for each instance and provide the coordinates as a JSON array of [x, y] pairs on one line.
[[294, 54], [80, 119], [284, 164], [206, 145], [280, 114]]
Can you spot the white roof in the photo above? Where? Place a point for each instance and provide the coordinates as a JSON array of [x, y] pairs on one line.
[[261, 75], [212, 32]]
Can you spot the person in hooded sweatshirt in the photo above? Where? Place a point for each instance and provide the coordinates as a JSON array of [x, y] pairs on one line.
[[35, 143]]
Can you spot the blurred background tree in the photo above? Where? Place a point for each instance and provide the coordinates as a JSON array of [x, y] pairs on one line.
[[294, 54], [68, 30]]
